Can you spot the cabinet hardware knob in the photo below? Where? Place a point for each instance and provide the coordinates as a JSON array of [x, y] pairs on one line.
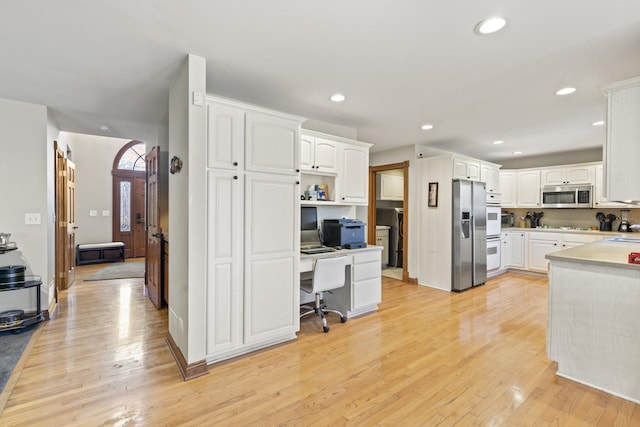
[[235, 177], [297, 170], [235, 163], [297, 182]]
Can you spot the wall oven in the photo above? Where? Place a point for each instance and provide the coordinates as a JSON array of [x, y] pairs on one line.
[[494, 220], [567, 196]]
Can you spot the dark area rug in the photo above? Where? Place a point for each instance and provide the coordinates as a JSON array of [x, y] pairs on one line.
[[11, 347], [121, 270]]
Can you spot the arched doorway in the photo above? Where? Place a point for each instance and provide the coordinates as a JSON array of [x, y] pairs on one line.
[[129, 185]]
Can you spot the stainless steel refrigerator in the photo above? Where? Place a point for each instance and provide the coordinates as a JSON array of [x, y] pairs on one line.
[[469, 245]]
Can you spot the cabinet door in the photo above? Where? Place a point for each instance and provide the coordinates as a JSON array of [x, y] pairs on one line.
[[326, 156], [505, 253], [528, 189], [556, 176], [517, 255], [537, 251], [224, 268], [354, 175], [272, 244], [599, 200], [509, 188], [491, 176], [306, 152], [225, 136], [580, 175], [466, 169], [622, 149], [391, 187], [272, 144]]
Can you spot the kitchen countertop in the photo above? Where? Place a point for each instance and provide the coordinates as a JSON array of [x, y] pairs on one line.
[[570, 230], [603, 252], [383, 227]]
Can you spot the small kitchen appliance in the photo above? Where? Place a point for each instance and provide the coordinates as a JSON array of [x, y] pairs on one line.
[[624, 221]]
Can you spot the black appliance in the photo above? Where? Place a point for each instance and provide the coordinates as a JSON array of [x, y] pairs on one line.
[[393, 217], [624, 226], [346, 233]]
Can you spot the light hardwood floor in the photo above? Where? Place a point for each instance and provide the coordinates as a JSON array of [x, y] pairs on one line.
[[426, 358]]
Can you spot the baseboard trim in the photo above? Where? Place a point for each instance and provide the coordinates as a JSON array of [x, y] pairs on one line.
[[188, 371], [52, 311], [412, 280]]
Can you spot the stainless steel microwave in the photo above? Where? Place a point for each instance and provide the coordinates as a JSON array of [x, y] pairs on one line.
[[567, 196]]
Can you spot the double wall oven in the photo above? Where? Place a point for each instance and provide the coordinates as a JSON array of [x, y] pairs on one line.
[[494, 221]]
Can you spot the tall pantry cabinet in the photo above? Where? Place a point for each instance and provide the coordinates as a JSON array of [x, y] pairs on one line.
[[252, 235]]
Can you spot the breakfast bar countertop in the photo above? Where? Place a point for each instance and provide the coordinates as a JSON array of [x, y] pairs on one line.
[[607, 252]]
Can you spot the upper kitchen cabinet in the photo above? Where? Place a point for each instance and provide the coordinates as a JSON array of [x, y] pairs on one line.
[[318, 154], [528, 188], [225, 136], [622, 146], [509, 188], [490, 175], [599, 201], [272, 144], [466, 169], [354, 174], [390, 187], [568, 175]]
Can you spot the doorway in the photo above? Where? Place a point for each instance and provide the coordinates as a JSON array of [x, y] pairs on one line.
[[389, 211], [129, 193]]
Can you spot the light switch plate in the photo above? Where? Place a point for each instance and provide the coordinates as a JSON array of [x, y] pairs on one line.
[[32, 218], [93, 213], [105, 213], [198, 98]]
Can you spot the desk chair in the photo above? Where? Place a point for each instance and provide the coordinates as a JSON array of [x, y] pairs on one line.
[[328, 274]]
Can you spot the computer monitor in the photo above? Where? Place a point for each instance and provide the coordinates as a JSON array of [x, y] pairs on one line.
[[308, 218]]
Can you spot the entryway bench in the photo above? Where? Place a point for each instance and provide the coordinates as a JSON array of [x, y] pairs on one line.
[[93, 253]]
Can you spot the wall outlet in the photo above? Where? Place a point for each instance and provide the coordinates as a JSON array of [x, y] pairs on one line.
[[93, 213], [32, 218], [105, 213]]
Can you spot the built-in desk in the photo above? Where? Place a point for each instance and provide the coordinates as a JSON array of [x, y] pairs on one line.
[[363, 291]]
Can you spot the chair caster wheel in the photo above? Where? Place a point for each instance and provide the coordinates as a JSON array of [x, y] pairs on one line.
[[343, 319], [325, 329]]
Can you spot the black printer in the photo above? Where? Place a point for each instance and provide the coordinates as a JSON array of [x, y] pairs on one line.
[[346, 233]]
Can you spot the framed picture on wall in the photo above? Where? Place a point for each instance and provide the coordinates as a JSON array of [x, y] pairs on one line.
[[433, 195]]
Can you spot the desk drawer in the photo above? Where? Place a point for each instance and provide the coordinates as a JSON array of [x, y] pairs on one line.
[[368, 256], [370, 270], [365, 293]]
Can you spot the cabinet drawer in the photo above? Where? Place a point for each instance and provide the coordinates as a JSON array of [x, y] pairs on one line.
[[579, 238], [366, 271], [366, 293], [368, 256], [541, 235]]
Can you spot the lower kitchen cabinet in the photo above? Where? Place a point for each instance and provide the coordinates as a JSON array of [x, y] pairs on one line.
[[367, 283], [382, 239], [513, 249], [542, 243]]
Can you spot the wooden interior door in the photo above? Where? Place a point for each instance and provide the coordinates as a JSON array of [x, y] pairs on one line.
[[154, 233], [70, 202], [60, 223]]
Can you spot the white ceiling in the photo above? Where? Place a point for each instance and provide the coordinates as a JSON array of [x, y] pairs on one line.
[[400, 64]]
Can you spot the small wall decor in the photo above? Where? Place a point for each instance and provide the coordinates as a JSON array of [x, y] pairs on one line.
[[176, 165], [433, 195]]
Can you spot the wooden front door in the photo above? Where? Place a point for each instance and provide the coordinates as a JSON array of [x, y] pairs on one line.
[[154, 233], [61, 224]]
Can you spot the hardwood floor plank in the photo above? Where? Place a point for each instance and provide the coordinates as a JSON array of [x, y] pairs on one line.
[[427, 357]]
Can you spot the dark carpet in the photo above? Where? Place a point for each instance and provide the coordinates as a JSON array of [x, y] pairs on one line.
[[11, 347]]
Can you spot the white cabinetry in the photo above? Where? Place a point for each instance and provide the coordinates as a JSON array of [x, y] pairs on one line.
[[318, 154], [366, 283], [622, 145], [466, 169], [354, 174], [382, 239], [513, 249], [509, 188], [542, 243], [389, 187], [599, 201], [490, 174], [568, 175], [528, 189], [252, 249]]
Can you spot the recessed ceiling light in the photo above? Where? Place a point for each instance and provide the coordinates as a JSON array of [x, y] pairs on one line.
[[566, 91], [426, 126], [338, 97], [105, 128], [490, 25], [497, 142], [517, 152], [598, 123]]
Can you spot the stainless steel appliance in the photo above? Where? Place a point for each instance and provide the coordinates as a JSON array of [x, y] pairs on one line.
[[469, 238], [567, 196], [393, 217]]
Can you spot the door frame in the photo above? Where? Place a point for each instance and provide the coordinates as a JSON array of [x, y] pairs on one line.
[[371, 232]]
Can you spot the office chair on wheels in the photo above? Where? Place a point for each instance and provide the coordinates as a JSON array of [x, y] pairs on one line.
[[328, 274]]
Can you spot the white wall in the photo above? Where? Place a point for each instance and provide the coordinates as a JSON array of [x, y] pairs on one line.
[[330, 128], [23, 174], [93, 156]]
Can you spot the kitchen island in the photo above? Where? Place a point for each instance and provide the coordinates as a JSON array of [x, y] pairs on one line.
[[594, 316]]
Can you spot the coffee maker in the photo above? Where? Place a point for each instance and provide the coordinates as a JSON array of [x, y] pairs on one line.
[[624, 221]]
